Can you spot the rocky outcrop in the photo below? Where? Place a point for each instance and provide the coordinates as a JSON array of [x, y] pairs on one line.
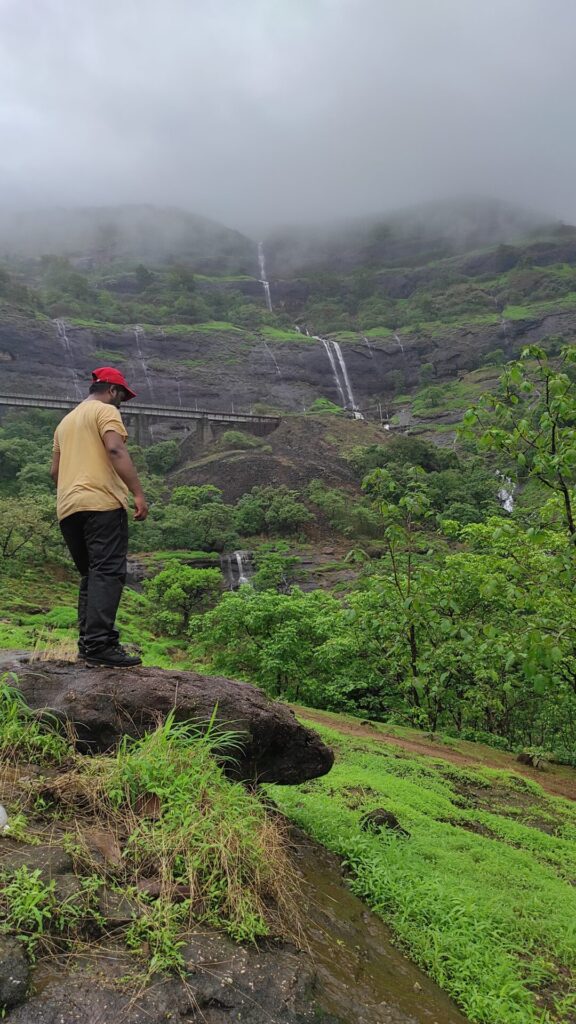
[[268, 984], [225, 369], [14, 973], [105, 704]]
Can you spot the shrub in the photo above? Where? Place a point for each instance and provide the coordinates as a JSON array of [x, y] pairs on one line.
[[238, 439]]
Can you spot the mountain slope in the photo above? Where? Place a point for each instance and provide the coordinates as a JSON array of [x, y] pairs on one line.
[[139, 233]]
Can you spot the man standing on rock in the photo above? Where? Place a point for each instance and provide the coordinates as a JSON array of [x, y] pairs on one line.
[[93, 473]]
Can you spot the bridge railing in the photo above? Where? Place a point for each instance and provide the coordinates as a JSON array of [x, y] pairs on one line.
[[136, 409]]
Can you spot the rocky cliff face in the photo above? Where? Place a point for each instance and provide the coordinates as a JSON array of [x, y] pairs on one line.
[[232, 369]]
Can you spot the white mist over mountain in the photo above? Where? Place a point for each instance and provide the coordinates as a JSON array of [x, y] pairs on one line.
[[265, 112]]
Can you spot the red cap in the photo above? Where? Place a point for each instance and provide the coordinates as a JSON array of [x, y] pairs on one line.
[[108, 375]]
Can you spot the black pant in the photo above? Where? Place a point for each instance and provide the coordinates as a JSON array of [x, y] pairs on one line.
[[98, 543]]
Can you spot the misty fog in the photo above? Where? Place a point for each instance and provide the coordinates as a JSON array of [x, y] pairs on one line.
[[264, 112]]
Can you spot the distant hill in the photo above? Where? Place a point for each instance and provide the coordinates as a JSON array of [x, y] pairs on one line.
[[107, 234], [408, 238]]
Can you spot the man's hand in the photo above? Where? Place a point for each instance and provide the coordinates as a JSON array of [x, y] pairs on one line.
[[140, 508]]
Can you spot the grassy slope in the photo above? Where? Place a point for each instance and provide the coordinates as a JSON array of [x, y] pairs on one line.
[[482, 893], [39, 613]]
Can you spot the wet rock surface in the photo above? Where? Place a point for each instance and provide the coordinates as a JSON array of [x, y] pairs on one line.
[[224, 372], [105, 704], [14, 972], [224, 983], [347, 972], [50, 860]]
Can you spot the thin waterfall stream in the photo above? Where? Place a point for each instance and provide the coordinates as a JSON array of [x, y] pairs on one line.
[[138, 335], [399, 341], [237, 568], [263, 278], [506, 491], [242, 568], [273, 358], [63, 337], [352, 401]]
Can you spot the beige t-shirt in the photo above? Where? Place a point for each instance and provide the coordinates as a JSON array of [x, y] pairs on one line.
[[87, 481]]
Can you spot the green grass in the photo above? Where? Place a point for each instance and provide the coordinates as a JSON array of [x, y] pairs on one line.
[[215, 325], [278, 334], [491, 917], [106, 355], [39, 613], [379, 332], [531, 310]]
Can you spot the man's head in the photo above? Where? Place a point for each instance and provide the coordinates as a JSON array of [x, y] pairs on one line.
[[109, 385]]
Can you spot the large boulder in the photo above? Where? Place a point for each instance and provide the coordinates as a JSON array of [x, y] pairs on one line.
[[105, 704]]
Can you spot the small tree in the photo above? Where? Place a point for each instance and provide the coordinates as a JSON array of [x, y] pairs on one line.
[[27, 525], [403, 509], [272, 510], [179, 592], [161, 457], [531, 421]]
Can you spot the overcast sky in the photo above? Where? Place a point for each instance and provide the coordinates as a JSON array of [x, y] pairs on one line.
[[259, 112]]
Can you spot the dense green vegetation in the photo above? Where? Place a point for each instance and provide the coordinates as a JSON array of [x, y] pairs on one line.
[[459, 616], [372, 300], [452, 616]]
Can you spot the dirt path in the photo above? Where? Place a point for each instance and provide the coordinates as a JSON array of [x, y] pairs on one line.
[[556, 779]]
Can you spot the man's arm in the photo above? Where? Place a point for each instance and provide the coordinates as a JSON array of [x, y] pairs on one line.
[[120, 459], [55, 466]]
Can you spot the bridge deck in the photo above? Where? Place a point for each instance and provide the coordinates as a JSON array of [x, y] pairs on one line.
[[156, 411]]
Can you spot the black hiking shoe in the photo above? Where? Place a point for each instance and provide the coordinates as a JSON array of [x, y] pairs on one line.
[[113, 657]]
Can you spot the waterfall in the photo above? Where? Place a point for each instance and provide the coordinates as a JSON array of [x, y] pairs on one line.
[[340, 374], [263, 279], [335, 374], [179, 393], [352, 401], [273, 358], [368, 345], [400, 345], [63, 337], [243, 569], [236, 568], [139, 334], [506, 492]]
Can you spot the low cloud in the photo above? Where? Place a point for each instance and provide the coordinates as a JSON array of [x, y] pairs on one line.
[[282, 111]]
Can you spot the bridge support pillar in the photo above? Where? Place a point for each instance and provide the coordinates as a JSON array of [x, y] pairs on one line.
[[205, 431], [142, 432]]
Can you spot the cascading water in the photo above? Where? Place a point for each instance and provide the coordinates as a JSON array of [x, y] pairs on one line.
[[506, 492], [139, 334], [352, 401], [242, 563], [236, 568], [273, 358], [63, 337], [335, 374], [340, 374], [263, 279], [397, 339], [368, 346]]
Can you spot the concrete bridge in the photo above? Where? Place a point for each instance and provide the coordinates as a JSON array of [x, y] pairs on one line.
[[143, 414]]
